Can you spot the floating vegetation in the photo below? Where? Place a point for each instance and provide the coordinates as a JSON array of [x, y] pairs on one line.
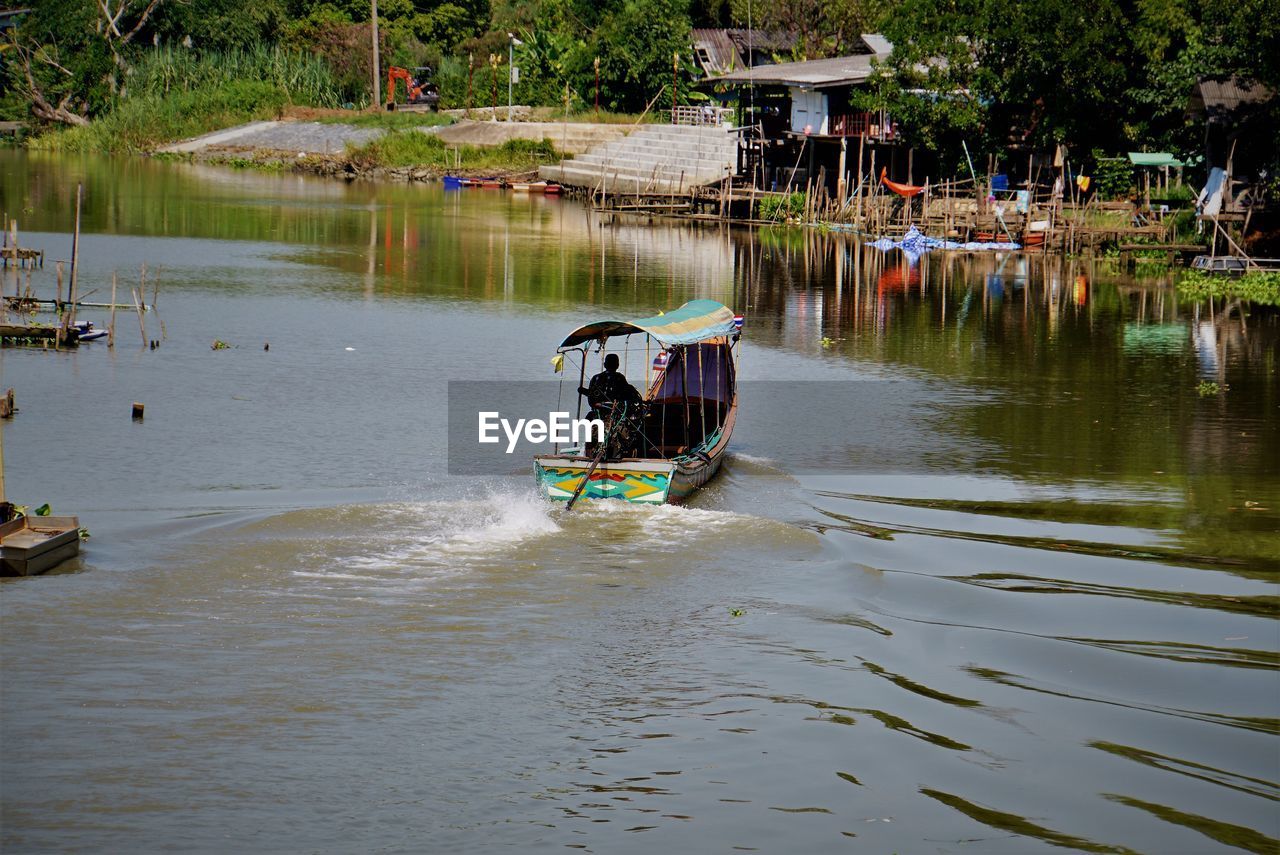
[[1256, 286]]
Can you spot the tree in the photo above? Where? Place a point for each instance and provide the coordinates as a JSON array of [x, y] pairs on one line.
[[69, 58], [822, 28]]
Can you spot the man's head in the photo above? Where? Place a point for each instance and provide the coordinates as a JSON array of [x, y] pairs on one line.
[[611, 362]]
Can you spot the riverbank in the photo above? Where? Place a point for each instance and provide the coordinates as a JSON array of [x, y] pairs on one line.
[[408, 147]]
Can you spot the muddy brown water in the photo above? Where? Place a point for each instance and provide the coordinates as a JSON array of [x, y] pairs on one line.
[[991, 567]]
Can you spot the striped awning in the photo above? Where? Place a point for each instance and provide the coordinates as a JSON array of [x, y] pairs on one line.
[[693, 322]]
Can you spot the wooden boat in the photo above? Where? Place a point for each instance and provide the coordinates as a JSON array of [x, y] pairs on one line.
[[30, 545], [547, 188], [1027, 240], [676, 439]]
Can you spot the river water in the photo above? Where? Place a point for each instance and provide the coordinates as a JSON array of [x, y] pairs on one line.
[[991, 566]]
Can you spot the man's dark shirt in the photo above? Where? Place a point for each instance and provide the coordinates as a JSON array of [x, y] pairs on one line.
[[610, 386]]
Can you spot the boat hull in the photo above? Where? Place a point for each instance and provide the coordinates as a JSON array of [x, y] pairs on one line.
[[640, 481], [30, 545], [644, 482]]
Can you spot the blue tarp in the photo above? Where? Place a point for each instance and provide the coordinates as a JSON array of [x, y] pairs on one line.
[[915, 244]]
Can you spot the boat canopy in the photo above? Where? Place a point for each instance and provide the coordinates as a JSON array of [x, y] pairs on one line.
[[695, 321]]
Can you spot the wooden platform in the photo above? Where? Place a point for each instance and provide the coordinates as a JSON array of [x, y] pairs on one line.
[[31, 545], [21, 255], [10, 333]]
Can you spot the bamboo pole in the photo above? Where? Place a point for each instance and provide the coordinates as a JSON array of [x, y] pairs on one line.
[[111, 330], [137, 304], [75, 253]]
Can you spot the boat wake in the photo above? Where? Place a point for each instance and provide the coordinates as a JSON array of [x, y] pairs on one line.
[[424, 542]]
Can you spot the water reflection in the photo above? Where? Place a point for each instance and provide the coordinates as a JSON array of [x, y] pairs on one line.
[[1001, 550]]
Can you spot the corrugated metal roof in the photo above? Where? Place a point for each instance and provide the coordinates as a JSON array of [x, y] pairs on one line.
[[813, 74], [1153, 158], [716, 52], [877, 43], [1218, 96], [774, 41]]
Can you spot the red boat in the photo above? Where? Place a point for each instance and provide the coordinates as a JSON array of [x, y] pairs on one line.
[[1028, 239]]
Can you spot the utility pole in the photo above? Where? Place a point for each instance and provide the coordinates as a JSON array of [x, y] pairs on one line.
[[377, 100], [512, 41]]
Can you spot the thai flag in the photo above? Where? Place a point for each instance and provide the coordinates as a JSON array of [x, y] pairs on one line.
[[737, 322], [660, 361]]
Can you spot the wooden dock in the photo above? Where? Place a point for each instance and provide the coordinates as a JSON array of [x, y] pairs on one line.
[[32, 333], [21, 256]]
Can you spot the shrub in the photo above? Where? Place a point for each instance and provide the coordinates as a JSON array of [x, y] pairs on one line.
[[782, 207]]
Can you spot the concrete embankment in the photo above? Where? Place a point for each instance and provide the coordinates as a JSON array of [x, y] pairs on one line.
[[293, 138]]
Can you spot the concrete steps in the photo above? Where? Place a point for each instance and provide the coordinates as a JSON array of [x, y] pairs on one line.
[[653, 159]]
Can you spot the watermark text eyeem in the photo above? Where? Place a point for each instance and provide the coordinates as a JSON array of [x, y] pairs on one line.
[[558, 428]]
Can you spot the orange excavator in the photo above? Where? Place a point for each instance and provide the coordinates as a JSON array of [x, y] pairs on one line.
[[420, 94]]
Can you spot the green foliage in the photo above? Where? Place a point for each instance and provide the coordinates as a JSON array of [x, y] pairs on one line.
[[782, 206], [400, 148], [220, 24], [1207, 389], [305, 78], [1112, 176], [1262, 286], [140, 124], [1082, 72], [822, 27]]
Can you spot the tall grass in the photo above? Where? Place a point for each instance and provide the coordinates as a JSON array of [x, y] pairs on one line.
[[414, 148], [142, 123], [306, 79], [174, 93]]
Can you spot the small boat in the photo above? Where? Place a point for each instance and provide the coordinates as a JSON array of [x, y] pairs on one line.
[[479, 182], [1027, 239], [674, 441], [546, 188], [86, 332], [453, 182], [492, 183], [30, 545], [1227, 265]]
